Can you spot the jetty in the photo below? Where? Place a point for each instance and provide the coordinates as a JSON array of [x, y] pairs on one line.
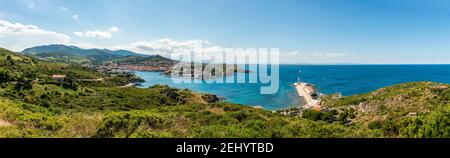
[[309, 94]]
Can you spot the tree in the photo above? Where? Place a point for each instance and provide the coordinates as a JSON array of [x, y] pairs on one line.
[[5, 76], [24, 84], [9, 60], [70, 83], [312, 115]]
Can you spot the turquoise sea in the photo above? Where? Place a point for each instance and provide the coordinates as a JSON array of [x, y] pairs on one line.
[[345, 79]]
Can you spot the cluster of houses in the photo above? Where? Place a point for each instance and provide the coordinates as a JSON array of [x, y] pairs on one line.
[[59, 78], [295, 111], [127, 68]]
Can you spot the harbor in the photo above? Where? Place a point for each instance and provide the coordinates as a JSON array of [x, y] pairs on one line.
[[309, 94]]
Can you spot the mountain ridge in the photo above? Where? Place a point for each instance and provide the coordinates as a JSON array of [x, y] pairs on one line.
[[77, 55], [75, 50]]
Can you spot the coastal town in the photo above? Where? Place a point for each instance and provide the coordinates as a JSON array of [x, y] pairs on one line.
[[166, 67], [153, 66]]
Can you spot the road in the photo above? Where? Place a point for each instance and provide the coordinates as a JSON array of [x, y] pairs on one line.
[[128, 85]]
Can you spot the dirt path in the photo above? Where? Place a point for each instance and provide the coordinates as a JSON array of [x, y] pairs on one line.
[[4, 123], [128, 85]]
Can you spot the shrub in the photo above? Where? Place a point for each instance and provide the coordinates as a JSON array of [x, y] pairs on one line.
[[124, 124], [5, 76], [375, 125]]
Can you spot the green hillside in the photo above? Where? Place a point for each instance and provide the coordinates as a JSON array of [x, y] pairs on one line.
[[23, 67], [33, 104], [418, 109]]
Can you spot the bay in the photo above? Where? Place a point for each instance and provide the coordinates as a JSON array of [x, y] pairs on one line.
[[330, 79]]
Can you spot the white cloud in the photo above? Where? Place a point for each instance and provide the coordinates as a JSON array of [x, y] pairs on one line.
[[80, 34], [114, 29], [75, 17], [18, 36], [85, 45], [173, 48], [202, 50], [64, 9], [97, 34], [162, 46]]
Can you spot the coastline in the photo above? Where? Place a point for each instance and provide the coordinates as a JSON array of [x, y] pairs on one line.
[[345, 80]]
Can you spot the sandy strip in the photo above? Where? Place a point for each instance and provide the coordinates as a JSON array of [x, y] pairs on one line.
[[4, 123], [301, 90]]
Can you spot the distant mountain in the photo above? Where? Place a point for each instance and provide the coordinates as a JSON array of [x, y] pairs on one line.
[[73, 54], [73, 50]]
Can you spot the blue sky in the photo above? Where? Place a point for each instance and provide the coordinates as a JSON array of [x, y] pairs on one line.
[[306, 31]]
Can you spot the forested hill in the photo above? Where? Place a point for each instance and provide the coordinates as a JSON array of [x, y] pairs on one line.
[[24, 67], [76, 55]]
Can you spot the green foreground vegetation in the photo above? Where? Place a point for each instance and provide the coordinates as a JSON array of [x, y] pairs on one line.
[[33, 104]]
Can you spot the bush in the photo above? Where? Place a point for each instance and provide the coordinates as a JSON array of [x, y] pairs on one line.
[[433, 125], [375, 125], [241, 115], [5, 76], [24, 84], [124, 124], [328, 116]]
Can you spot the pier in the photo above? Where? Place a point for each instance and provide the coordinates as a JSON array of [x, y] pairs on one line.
[[309, 94]]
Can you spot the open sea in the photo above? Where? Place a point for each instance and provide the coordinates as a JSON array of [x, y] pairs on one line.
[[344, 79]]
